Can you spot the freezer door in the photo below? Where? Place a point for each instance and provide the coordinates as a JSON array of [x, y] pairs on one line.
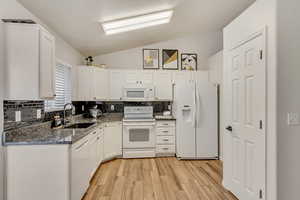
[[184, 103], [206, 120]]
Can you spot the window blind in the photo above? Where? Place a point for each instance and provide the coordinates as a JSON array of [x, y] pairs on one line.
[[63, 89]]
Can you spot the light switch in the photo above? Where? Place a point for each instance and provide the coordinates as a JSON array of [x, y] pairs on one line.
[[38, 113], [18, 116], [293, 119]]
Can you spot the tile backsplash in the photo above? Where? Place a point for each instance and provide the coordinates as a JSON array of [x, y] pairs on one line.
[[28, 111]]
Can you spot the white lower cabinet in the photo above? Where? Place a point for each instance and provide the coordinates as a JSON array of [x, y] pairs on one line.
[[80, 167], [35, 172], [165, 138], [112, 140]]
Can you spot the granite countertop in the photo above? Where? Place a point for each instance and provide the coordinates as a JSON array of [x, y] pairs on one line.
[[42, 134]]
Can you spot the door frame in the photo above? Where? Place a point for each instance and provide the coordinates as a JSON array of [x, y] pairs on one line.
[[269, 156]]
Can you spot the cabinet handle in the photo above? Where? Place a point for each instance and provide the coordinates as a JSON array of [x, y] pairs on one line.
[[165, 124], [54, 95], [165, 131], [165, 148], [82, 145], [94, 132], [166, 140]]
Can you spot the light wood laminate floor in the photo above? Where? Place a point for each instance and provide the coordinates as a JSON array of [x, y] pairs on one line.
[[158, 179]]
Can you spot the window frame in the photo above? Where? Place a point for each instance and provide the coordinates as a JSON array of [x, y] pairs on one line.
[[60, 62]]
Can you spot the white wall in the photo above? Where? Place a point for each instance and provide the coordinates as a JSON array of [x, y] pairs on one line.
[[204, 45], [1, 110], [288, 99], [262, 13], [215, 63], [11, 9]]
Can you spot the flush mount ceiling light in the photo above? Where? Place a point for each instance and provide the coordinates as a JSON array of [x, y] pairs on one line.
[[138, 22]]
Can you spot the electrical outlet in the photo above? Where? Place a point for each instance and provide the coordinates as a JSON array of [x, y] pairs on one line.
[[18, 116], [82, 108], [293, 119], [112, 107], [38, 113]]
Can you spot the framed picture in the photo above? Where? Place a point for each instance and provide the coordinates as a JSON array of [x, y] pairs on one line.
[[170, 59], [151, 58], [189, 61]]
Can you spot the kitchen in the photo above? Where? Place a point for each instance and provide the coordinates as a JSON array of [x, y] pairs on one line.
[[149, 99]]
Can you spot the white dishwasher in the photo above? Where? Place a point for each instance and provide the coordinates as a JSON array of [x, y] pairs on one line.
[[81, 167]]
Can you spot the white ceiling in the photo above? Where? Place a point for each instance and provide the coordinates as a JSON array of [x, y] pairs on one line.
[[77, 20]]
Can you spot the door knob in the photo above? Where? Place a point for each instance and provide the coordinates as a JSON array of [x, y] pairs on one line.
[[229, 128]]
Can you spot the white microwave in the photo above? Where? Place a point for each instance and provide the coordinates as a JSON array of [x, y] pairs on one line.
[[139, 93]]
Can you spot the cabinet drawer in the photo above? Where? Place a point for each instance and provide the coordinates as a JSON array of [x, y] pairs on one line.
[[165, 123], [165, 131], [165, 149], [165, 139]]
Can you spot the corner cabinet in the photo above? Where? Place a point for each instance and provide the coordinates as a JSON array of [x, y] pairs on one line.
[[30, 62], [92, 84]]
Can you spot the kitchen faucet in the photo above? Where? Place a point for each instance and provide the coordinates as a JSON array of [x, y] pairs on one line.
[[65, 107]]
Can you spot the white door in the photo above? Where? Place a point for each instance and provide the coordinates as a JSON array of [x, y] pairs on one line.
[[244, 164], [116, 84], [185, 111], [163, 85], [47, 65]]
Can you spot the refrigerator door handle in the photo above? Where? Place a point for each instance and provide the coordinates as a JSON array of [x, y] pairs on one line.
[[198, 106]]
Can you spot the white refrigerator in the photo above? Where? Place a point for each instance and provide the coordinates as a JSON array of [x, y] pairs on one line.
[[196, 110]]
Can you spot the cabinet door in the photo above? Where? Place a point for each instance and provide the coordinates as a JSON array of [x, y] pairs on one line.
[[180, 76], [47, 65], [100, 146], [100, 86], [85, 83], [132, 78], [116, 84], [163, 85], [112, 140], [21, 61], [145, 78], [200, 75]]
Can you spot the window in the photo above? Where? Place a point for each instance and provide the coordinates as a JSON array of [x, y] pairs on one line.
[[62, 88]]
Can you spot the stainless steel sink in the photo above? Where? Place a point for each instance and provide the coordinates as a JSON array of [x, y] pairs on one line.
[[79, 125]]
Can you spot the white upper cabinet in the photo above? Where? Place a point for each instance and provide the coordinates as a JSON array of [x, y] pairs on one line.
[[47, 64], [146, 77], [138, 77], [116, 84], [85, 83], [30, 62], [181, 76], [100, 87], [163, 85]]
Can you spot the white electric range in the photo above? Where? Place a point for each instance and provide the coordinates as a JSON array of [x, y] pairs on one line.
[[139, 136]]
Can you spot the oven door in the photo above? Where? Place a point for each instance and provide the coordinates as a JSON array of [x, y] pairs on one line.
[[138, 136]]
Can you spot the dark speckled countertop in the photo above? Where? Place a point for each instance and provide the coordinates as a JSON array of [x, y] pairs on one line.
[[42, 134]]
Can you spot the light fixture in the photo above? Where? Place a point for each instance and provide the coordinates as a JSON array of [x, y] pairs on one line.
[[138, 22]]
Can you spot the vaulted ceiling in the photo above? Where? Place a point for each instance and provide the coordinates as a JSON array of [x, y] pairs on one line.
[[77, 20]]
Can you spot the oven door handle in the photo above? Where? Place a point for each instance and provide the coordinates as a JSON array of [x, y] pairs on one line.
[[152, 124]]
